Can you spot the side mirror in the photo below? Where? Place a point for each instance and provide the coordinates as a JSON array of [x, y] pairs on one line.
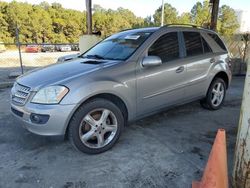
[[151, 61]]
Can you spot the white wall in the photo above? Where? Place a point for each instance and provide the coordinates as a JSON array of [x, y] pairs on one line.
[[244, 21], [87, 41]]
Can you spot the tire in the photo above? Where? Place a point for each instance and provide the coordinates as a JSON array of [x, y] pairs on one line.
[[102, 135], [213, 92]]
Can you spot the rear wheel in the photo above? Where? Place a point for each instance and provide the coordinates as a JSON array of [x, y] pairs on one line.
[[215, 95], [96, 126]]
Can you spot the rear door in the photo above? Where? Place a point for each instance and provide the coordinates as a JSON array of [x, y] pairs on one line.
[[198, 58], [163, 85]]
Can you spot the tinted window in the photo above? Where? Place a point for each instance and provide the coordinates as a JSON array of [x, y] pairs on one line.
[[206, 47], [193, 43], [218, 41], [166, 47]]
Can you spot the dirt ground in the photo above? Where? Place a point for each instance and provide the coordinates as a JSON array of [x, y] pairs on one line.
[[169, 149]]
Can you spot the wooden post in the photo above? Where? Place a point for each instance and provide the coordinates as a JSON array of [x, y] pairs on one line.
[[89, 16], [241, 171], [214, 16]]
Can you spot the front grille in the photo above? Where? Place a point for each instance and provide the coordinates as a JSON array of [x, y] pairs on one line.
[[20, 94]]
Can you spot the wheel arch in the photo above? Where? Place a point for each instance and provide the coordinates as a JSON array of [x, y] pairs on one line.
[[223, 75], [108, 96], [113, 98]]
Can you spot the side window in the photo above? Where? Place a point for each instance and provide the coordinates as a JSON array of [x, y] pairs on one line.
[[193, 43], [218, 41], [206, 47], [166, 47]]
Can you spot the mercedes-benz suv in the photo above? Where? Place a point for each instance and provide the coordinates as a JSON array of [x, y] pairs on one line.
[[127, 76]]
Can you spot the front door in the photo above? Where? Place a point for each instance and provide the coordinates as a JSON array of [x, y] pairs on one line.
[[162, 85]]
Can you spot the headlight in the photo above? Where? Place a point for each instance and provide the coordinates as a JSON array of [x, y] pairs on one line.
[[50, 95]]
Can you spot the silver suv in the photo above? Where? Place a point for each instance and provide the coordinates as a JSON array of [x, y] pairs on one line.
[[127, 76]]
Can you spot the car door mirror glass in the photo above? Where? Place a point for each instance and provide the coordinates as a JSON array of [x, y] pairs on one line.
[[151, 61]]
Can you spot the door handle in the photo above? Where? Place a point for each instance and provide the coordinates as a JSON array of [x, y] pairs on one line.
[[212, 60], [180, 69]]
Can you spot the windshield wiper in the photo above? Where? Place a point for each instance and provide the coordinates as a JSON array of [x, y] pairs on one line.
[[94, 56]]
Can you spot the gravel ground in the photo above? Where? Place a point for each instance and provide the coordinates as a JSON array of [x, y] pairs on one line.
[[169, 149], [9, 61]]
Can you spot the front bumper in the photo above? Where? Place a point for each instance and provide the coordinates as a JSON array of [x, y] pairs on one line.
[[59, 116]]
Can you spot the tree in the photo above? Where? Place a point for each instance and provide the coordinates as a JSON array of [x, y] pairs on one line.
[[18, 14], [111, 21], [45, 5], [148, 21], [74, 22], [227, 22], [45, 23], [200, 14], [170, 15], [41, 25], [67, 25], [4, 34], [185, 18], [56, 5]]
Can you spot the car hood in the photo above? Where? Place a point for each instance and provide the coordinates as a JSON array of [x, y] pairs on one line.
[[55, 73]]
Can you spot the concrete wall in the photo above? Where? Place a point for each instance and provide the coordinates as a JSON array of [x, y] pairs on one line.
[[87, 41]]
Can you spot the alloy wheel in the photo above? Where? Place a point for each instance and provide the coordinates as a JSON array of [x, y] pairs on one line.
[[98, 128], [218, 93]]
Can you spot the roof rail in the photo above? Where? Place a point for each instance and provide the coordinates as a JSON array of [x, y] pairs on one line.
[[190, 25]]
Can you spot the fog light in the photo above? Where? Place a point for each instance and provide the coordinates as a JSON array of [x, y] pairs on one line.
[[38, 118]]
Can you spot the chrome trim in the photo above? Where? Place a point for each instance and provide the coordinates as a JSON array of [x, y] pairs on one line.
[[20, 94]]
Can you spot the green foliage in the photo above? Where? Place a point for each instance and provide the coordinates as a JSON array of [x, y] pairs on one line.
[[227, 22], [185, 18], [111, 21], [148, 21], [4, 34], [45, 23], [41, 26], [200, 14], [18, 14], [170, 15]]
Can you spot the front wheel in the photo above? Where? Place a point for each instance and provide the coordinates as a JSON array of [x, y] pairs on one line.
[[215, 95], [96, 126]]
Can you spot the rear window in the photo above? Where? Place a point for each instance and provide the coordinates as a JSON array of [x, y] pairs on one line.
[[218, 41], [193, 43]]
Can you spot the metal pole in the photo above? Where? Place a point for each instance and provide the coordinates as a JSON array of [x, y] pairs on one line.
[[241, 171], [19, 48], [162, 13], [89, 16], [214, 16]]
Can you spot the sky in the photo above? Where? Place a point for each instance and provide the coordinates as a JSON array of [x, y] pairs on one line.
[[141, 8]]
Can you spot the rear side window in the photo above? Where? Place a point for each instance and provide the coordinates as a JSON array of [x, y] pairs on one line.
[[193, 43], [218, 41], [206, 47], [166, 47]]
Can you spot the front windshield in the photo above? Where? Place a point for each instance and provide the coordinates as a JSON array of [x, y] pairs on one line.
[[117, 47]]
